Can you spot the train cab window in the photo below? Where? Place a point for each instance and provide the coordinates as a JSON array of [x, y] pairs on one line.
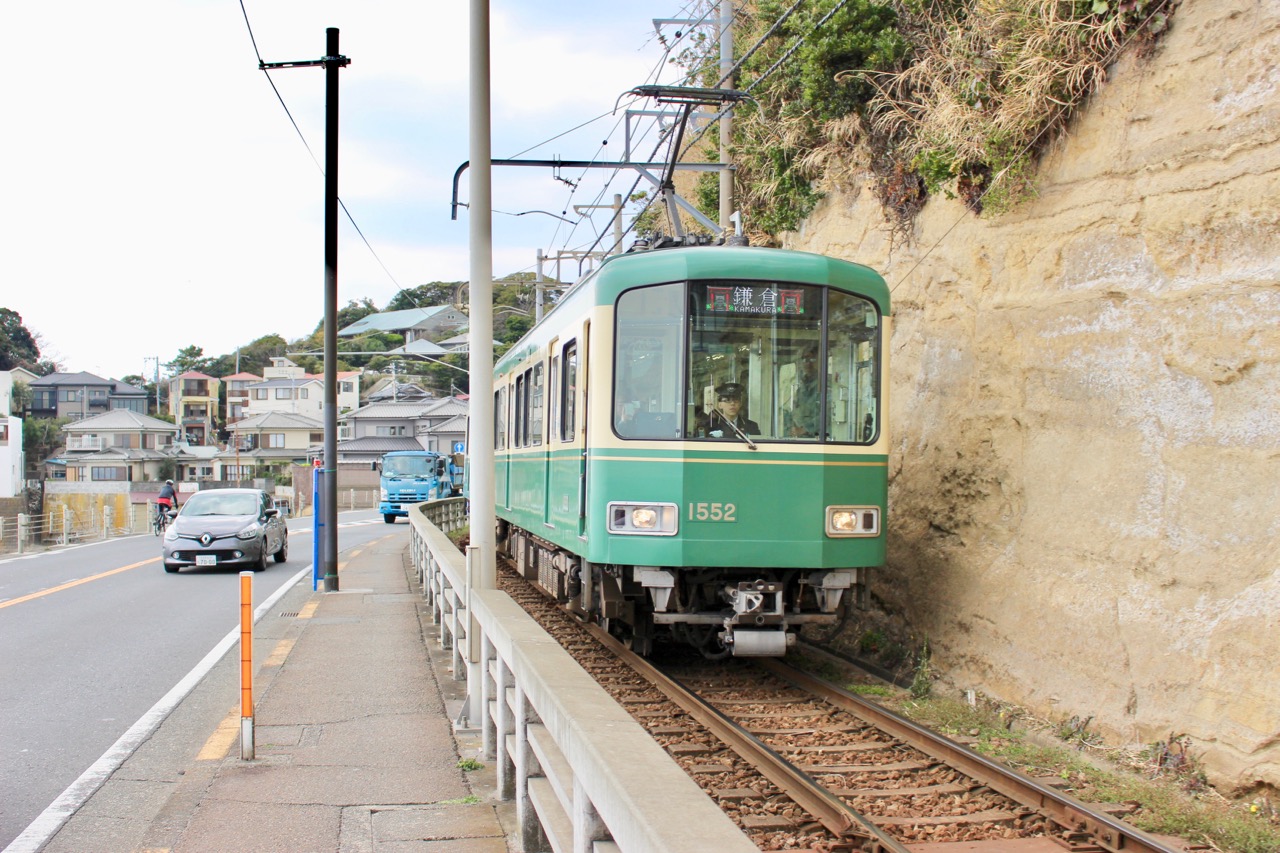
[[781, 362], [535, 406], [569, 388], [648, 361], [853, 369]]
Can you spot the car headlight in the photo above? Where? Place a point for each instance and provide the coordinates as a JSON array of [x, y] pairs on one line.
[[253, 531], [643, 519], [382, 494], [843, 521], [171, 533]]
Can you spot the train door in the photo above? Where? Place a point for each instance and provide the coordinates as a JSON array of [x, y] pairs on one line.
[[583, 376]]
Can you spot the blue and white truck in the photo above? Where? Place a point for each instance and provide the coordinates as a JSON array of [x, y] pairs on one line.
[[409, 477]]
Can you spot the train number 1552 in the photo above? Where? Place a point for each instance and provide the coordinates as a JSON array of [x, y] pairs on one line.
[[712, 512]]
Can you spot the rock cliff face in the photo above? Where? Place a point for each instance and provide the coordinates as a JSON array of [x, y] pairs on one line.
[[1085, 498]]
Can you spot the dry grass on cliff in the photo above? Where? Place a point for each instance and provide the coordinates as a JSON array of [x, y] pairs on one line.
[[1161, 784], [992, 80]]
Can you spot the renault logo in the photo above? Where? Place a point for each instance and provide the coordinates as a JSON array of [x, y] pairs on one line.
[[205, 539]]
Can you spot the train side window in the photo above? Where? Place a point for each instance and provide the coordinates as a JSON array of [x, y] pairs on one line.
[[518, 435], [500, 419], [535, 406], [553, 396], [569, 388]]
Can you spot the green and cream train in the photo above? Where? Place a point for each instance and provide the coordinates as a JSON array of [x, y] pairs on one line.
[[693, 445]]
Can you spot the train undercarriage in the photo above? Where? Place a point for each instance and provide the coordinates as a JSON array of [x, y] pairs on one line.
[[744, 612]]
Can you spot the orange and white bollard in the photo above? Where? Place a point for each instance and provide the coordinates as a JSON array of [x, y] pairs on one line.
[[246, 666]]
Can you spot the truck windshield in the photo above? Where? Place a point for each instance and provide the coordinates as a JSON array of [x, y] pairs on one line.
[[408, 466]]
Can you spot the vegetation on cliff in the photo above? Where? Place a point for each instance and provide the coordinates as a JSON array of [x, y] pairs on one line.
[[934, 96]]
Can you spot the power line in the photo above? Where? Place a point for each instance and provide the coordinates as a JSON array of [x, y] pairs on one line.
[[305, 145]]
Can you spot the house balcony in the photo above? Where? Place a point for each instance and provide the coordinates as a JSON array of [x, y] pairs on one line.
[[83, 442]]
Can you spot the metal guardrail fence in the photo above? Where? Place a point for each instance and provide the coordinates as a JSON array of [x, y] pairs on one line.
[[23, 533], [583, 774]]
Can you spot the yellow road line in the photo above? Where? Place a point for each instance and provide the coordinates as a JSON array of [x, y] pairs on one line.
[[219, 743], [279, 653], [70, 584], [309, 608]]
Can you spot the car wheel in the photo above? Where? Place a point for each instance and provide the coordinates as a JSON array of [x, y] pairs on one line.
[[261, 563], [170, 568], [388, 518], [283, 554]]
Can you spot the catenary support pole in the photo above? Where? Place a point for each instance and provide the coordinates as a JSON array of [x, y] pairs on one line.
[[726, 121], [480, 446]]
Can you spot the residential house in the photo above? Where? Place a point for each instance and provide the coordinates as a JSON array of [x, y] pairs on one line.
[[461, 343], [117, 445], [375, 429], [82, 395], [378, 428], [194, 463], [237, 386], [412, 323], [442, 426], [266, 441], [12, 460], [390, 390], [193, 402], [9, 378], [286, 387]]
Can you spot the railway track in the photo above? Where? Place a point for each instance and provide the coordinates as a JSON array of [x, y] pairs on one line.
[[802, 765]]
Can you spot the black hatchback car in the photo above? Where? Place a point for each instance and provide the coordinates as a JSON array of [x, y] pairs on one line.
[[226, 527]]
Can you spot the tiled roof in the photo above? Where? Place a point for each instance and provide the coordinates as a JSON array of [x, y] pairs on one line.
[[392, 321], [378, 444], [119, 420], [276, 420]]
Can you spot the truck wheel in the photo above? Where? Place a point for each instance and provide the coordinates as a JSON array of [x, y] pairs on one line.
[[389, 518]]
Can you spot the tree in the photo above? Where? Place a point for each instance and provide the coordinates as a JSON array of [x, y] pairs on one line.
[[40, 438], [18, 347], [350, 313], [188, 358], [435, 293]]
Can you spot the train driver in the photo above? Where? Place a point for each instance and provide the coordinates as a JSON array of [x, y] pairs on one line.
[[728, 410]]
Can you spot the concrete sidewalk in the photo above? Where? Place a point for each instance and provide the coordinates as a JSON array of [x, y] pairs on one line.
[[355, 748]]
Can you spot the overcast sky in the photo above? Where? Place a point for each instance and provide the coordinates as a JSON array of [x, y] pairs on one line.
[[155, 194]]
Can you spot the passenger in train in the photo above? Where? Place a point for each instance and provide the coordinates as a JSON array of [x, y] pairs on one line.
[[806, 411]]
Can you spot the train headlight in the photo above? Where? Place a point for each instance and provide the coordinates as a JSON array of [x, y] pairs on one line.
[[643, 519], [845, 521]]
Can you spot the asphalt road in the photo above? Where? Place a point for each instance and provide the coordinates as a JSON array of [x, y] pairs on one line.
[[94, 635]]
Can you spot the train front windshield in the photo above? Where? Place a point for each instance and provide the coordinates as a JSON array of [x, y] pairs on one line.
[[739, 360]]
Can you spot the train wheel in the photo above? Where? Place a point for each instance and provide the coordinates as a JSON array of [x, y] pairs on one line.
[[638, 638]]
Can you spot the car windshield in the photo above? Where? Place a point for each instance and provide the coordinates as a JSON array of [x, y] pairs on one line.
[[212, 503]]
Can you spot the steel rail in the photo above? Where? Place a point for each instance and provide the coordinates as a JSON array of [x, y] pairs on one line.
[[1063, 809], [832, 812]]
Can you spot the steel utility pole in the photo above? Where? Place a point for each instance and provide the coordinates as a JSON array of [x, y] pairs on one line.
[[331, 62], [726, 121]]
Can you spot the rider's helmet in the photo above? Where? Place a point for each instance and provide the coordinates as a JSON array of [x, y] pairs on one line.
[[168, 482]]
